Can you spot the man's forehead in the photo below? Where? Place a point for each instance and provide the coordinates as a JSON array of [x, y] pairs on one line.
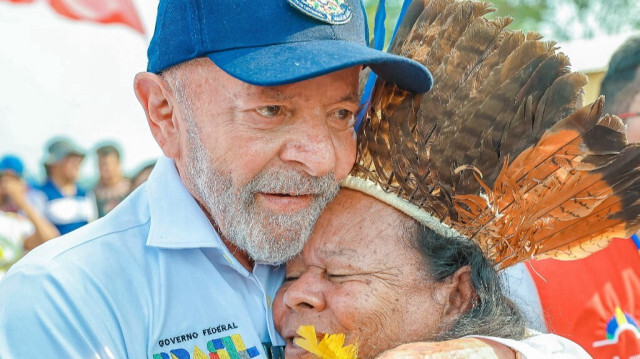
[[280, 93], [290, 92]]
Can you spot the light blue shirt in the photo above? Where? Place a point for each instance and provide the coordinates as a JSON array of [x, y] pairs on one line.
[[152, 279]]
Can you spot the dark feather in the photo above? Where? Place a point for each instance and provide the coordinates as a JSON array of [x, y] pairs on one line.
[[501, 149]]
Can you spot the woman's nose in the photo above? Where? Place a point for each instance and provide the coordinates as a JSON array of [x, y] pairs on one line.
[[305, 293]]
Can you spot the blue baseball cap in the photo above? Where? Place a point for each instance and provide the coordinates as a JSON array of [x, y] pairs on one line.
[[275, 42], [11, 163]]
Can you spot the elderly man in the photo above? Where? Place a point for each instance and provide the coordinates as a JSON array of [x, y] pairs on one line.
[[252, 103]]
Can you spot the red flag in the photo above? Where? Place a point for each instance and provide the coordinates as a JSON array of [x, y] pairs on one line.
[[103, 11]]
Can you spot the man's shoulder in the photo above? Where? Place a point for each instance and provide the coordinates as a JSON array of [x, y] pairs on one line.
[[80, 285], [122, 233]]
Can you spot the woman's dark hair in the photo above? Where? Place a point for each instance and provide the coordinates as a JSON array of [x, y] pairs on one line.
[[492, 313]]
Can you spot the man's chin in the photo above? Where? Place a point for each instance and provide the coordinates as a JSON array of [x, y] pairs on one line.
[[270, 247], [275, 256]]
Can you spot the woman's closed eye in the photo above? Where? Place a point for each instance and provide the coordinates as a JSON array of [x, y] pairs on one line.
[[291, 278], [341, 277]]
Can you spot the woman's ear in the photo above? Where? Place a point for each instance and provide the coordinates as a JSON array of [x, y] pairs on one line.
[[159, 105], [461, 295]]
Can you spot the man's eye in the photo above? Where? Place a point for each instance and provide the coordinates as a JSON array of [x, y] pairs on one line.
[[344, 114], [343, 119], [269, 111]]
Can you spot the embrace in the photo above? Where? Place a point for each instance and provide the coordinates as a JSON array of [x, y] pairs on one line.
[[392, 234]]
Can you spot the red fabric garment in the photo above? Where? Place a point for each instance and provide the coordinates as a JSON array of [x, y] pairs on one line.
[[103, 11], [594, 301]]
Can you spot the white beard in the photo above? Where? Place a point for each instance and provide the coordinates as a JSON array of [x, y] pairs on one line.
[[265, 236]]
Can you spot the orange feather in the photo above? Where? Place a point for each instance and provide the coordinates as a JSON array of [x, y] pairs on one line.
[[501, 149]]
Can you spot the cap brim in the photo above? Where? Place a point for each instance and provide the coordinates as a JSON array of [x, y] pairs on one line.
[[297, 61], [51, 159]]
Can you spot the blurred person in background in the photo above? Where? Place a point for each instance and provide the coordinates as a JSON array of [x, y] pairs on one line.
[[22, 227], [141, 176], [594, 301], [621, 86], [10, 167], [113, 186], [62, 201]]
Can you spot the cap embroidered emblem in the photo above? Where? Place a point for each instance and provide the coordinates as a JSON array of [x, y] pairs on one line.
[[334, 12]]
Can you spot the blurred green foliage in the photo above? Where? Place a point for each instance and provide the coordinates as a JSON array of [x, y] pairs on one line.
[[560, 20], [393, 11]]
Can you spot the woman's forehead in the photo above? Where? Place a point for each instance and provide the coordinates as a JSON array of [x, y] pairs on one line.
[[356, 225]]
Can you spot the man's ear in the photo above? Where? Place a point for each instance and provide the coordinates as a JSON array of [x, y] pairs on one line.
[[461, 295], [159, 105]]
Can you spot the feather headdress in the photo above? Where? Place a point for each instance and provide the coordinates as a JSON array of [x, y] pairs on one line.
[[501, 150]]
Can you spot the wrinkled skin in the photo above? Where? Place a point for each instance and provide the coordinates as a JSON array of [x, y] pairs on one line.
[[358, 276], [451, 349], [305, 127]]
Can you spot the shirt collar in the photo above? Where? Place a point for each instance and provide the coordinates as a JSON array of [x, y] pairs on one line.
[[177, 221]]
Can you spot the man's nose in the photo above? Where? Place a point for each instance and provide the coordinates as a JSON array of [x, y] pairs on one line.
[[311, 146], [303, 294]]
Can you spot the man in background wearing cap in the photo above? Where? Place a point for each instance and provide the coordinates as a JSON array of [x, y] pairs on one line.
[[22, 227], [252, 103], [63, 202], [11, 168]]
